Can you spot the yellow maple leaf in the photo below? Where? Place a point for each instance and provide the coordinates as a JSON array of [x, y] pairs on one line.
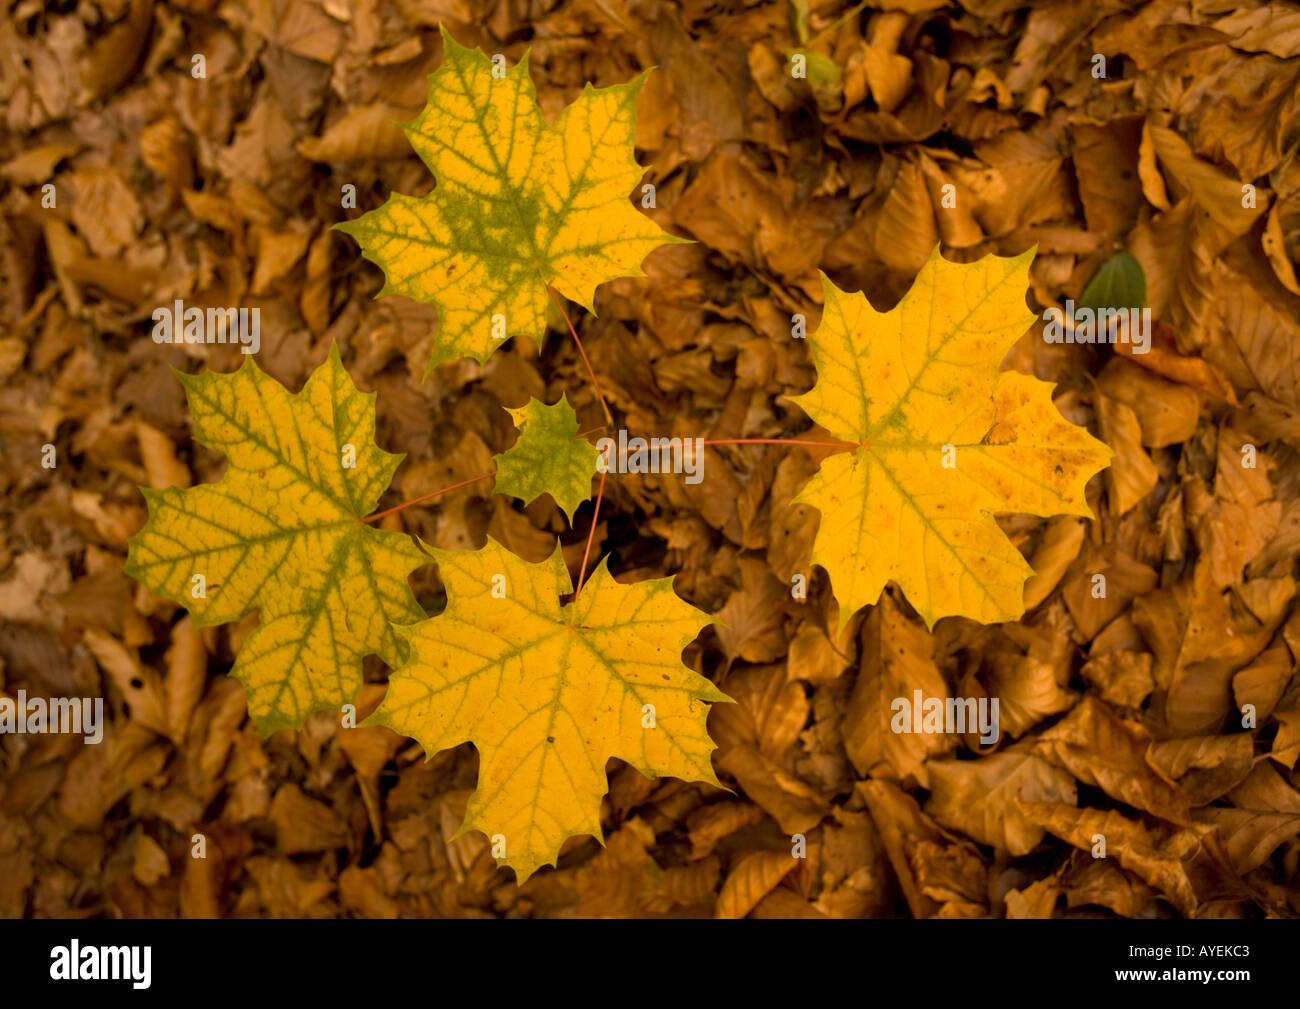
[[548, 693], [281, 533], [520, 204], [946, 441]]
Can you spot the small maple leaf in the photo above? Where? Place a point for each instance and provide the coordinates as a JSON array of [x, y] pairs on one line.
[[547, 457], [547, 694], [281, 533], [520, 204], [946, 442]]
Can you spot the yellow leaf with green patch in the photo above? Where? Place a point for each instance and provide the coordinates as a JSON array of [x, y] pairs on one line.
[[946, 441], [547, 457], [280, 533], [548, 693], [520, 204]]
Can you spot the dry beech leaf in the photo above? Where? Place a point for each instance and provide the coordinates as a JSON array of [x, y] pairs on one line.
[[1100, 749], [1035, 901], [1059, 547], [752, 879], [709, 824], [897, 661], [977, 797], [1266, 814], [364, 132], [1205, 767], [795, 805], [1127, 841], [36, 165]]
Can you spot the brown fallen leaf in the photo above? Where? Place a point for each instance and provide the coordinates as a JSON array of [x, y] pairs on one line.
[[1286, 744], [1028, 690], [1262, 683], [151, 863], [36, 165], [1122, 678], [159, 456], [1099, 881], [1199, 643], [794, 805], [751, 623], [710, 824], [977, 797], [1127, 841], [165, 149], [361, 891], [1058, 548], [931, 867], [1167, 412], [1234, 527], [897, 660], [140, 685], [304, 824], [1100, 749], [785, 904], [1132, 475], [1164, 358], [1037, 900], [752, 878], [1205, 767], [187, 674]]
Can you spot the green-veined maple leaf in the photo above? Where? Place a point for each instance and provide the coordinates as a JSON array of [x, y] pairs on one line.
[[547, 458], [520, 204], [281, 533]]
